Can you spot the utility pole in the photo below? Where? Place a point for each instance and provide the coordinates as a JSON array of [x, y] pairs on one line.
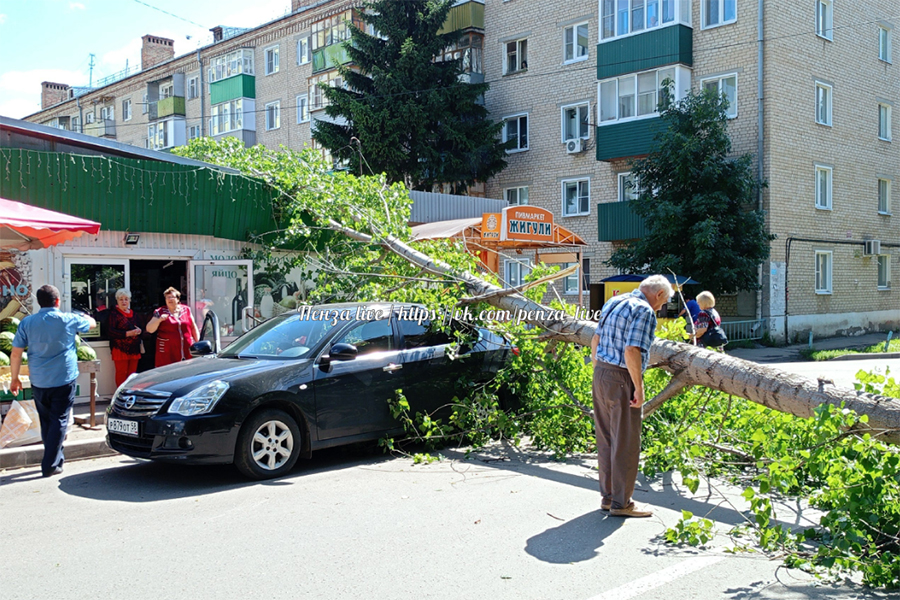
[[91, 67]]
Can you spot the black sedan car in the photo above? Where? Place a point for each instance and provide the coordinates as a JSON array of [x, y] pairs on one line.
[[309, 379]]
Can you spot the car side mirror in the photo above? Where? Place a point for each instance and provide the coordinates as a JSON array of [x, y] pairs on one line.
[[343, 352], [201, 348]]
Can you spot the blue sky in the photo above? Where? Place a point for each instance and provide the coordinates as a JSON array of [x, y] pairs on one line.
[[50, 40]]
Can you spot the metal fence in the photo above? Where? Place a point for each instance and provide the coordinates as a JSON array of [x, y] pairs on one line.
[[744, 330]]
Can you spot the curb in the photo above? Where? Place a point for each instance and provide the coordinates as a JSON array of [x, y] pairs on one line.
[[867, 356], [29, 456]]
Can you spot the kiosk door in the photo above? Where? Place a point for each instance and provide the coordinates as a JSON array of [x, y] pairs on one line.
[[226, 287]]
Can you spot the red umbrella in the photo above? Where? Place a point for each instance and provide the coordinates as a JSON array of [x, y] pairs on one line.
[[26, 227]]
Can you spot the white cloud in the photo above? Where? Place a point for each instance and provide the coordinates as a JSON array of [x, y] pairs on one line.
[[76, 6], [20, 91], [2, 18]]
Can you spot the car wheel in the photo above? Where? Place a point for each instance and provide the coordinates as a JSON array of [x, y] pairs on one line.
[[268, 445]]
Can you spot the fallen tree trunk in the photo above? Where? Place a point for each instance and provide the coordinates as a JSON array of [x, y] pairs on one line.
[[689, 364]]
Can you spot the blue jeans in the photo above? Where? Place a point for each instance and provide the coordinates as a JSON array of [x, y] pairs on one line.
[[54, 405]]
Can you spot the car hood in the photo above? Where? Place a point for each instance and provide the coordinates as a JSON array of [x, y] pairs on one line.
[[194, 373]]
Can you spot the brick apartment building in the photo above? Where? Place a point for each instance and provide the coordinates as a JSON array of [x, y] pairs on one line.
[[576, 84]]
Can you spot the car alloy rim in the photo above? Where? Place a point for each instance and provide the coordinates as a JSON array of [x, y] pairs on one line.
[[272, 445]]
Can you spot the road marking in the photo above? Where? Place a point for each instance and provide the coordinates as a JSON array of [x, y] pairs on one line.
[[661, 578]]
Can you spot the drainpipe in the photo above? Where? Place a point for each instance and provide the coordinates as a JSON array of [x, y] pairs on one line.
[[80, 115], [760, 27], [202, 100]]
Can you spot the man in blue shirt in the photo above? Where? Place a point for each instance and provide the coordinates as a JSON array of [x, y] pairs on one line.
[[49, 337], [620, 351]]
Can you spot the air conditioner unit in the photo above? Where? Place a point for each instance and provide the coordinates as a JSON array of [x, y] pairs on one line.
[[872, 247], [574, 146]]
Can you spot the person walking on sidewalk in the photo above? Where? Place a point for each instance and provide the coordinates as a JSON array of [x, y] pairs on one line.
[[620, 351], [49, 337]]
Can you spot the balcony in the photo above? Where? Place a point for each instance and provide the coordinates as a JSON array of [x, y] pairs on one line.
[[101, 128], [238, 86], [171, 106], [630, 138], [617, 222], [330, 57], [655, 48], [466, 15]]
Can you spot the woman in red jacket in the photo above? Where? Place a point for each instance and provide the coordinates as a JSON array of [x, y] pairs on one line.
[[124, 337], [175, 330]]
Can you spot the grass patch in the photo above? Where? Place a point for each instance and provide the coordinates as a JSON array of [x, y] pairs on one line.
[[818, 355], [740, 344]]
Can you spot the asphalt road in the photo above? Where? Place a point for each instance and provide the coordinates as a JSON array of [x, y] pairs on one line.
[[841, 372], [351, 524]]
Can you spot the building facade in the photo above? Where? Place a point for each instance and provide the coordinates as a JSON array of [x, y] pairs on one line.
[[811, 88]]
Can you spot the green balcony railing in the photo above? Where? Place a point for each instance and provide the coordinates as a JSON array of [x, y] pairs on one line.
[[173, 105], [630, 138], [617, 222], [226, 90], [330, 57], [467, 15], [655, 48]]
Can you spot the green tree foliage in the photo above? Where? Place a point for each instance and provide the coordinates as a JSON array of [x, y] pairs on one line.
[[411, 116], [697, 202]]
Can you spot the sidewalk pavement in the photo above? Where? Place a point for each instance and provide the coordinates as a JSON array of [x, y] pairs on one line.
[[764, 354], [82, 443]]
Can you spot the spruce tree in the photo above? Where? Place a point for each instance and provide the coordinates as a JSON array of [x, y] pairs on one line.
[[411, 116], [698, 202]]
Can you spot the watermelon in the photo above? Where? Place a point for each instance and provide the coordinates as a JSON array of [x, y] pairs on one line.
[[4, 360], [9, 324], [86, 353], [289, 302], [6, 340], [78, 341]]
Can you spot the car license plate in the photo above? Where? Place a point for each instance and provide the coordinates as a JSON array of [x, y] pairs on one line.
[[122, 426]]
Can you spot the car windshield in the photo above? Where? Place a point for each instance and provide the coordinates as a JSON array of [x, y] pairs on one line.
[[285, 337]]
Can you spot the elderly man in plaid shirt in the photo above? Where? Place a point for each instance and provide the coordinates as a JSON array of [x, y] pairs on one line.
[[620, 350]]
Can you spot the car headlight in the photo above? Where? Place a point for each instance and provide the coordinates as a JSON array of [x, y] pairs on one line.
[[199, 401]]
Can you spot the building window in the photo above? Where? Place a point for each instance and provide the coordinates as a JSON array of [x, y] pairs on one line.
[[823, 187], [640, 94], [718, 12], [126, 110], [629, 188], [727, 86], [823, 103], [271, 60], [158, 135], [144, 105], [884, 272], [76, 124], [317, 83], [89, 117], [193, 132], [227, 116], [884, 122], [228, 65], [303, 51], [303, 108], [575, 43], [570, 282], [517, 196], [824, 19], [576, 122], [515, 128], [167, 90], [624, 17], [193, 87], [576, 199], [823, 271], [273, 115], [108, 112], [337, 29], [516, 57], [884, 43], [884, 196], [516, 271]]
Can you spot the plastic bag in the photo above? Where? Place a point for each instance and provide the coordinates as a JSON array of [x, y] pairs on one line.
[[21, 426]]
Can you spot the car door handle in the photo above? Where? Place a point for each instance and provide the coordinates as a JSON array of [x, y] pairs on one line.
[[392, 367]]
